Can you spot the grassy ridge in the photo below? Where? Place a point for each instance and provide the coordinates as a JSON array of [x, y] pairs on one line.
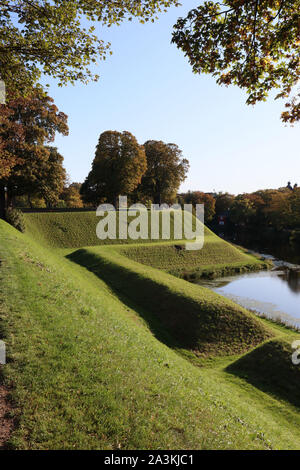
[[270, 368], [63, 229], [197, 318], [87, 374], [216, 258], [76, 229]]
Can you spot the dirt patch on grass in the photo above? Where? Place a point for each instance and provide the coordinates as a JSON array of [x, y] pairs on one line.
[[6, 421]]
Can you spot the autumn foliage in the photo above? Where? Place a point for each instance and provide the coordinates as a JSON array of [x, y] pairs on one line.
[[117, 169], [250, 43], [29, 166]]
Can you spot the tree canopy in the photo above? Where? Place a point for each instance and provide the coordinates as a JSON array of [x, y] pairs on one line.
[[117, 169], [198, 197], [254, 44], [28, 125], [57, 37], [166, 170], [51, 177], [71, 195], [275, 208]]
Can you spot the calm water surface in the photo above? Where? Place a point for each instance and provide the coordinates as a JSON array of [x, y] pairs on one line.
[[273, 293]]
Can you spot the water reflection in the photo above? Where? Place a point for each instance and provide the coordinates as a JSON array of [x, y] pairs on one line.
[[273, 293], [292, 278]]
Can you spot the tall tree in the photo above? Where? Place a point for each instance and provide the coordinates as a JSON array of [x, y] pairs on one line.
[[242, 210], [198, 197], [251, 43], [57, 37], [30, 124], [51, 177], [166, 170], [295, 207], [11, 134], [224, 202], [71, 195], [117, 169]]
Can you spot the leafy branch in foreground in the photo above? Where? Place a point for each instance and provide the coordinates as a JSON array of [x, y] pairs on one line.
[[254, 44], [48, 36]]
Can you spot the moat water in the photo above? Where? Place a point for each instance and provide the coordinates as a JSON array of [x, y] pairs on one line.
[[276, 293]]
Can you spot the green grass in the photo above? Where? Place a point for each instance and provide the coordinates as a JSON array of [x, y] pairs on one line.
[[63, 229], [76, 229], [216, 258], [86, 373], [106, 352], [270, 368], [197, 318]]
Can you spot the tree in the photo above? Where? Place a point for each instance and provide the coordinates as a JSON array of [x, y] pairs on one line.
[[49, 36], [251, 43], [224, 202], [30, 124], [242, 210], [198, 197], [11, 132], [117, 169], [71, 195], [166, 170], [41, 175], [51, 177], [279, 211]]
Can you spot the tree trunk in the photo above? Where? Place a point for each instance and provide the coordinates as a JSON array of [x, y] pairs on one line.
[[29, 201], [157, 198], [9, 200]]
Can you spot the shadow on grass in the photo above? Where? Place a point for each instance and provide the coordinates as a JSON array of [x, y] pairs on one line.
[[175, 312], [119, 280], [270, 369]]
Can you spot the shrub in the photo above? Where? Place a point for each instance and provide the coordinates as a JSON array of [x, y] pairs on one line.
[[15, 218]]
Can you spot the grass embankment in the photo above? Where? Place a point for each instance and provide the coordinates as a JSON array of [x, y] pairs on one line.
[[86, 373], [77, 229], [74, 230], [217, 258], [270, 368], [196, 318], [86, 370]]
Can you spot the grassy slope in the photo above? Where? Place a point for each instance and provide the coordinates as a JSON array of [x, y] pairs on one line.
[[71, 229], [197, 318], [63, 229], [64, 405], [269, 367], [74, 230], [216, 258], [86, 371]]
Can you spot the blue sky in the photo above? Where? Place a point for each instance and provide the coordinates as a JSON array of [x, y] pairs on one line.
[[147, 87]]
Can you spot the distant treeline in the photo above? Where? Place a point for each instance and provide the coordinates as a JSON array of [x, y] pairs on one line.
[[269, 208], [277, 208]]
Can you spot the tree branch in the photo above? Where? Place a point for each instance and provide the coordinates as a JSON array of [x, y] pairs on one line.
[[278, 12]]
